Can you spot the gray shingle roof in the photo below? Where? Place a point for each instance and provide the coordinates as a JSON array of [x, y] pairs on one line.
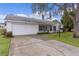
[[27, 19]]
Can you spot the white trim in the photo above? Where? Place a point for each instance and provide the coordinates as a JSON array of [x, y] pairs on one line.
[[21, 22]]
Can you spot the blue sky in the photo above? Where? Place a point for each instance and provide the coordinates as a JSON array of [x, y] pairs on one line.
[[15, 8]]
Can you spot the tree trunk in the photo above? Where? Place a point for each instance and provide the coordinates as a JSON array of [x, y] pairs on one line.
[[76, 24]]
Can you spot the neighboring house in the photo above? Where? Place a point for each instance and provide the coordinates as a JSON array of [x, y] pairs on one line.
[[2, 25], [19, 25]]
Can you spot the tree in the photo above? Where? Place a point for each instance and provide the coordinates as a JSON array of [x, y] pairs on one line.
[[61, 8], [75, 8], [67, 21], [42, 8], [55, 20]]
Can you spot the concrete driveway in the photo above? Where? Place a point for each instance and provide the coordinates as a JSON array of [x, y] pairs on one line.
[[37, 45]]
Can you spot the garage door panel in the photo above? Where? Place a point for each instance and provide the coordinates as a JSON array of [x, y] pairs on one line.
[[24, 29]]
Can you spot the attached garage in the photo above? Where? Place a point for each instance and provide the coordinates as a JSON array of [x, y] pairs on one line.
[[24, 29]]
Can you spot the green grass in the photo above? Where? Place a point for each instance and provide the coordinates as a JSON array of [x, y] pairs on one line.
[[4, 45], [65, 37]]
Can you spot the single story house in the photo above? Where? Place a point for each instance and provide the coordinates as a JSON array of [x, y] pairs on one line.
[[26, 26], [19, 25]]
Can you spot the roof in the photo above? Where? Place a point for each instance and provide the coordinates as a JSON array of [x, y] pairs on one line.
[[27, 19], [57, 22]]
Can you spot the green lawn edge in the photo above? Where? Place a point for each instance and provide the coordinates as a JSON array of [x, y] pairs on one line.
[[66, 37], [4, 45]]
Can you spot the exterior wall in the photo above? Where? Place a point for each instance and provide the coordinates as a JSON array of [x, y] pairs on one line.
[[57, 27], [8, 26]]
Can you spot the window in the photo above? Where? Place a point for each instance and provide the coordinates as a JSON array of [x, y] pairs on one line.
[[42, 28], [54, 28]]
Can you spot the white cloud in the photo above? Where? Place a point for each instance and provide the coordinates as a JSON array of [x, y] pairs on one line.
[[2, 18]]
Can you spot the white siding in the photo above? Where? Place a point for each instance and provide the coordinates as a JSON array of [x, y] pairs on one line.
[[9, 26], [57, 27], [24, 29]]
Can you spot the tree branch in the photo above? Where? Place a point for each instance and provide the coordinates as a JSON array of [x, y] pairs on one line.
[[72, 17], [64, 8], [61, 7]]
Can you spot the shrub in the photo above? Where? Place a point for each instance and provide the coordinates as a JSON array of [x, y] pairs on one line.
[[9, 34], [43, 33], [2, 31]]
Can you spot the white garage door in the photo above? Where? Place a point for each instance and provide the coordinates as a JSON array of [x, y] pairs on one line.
[[24, 29]]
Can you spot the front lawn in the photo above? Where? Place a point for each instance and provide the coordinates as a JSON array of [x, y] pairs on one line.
[[65, 37], [4, 45]]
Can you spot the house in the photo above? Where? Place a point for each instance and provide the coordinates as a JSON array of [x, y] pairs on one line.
[[20, 25], [2, 25], [57, 26]]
